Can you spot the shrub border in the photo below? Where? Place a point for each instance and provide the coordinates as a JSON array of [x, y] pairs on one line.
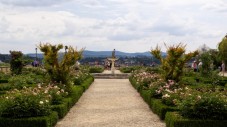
[[44, 121], [174, 119]]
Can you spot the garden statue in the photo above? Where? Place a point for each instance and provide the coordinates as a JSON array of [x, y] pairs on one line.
[[112, 59], [113, 54]]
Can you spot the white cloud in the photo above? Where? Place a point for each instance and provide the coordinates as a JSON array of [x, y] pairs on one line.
[[126, 25], [33, 3]]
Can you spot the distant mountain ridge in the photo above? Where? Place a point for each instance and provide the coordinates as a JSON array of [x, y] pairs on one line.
[[109, 54], [88, 53]]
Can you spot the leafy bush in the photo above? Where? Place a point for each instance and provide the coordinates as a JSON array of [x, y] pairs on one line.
[[173, 64], [4, 76], [16, 62], [204, 106], [96, 69], [174, 119], [42, 121], [34, 70], [24, 103], [129, 69], [19, 81], [79, 77]]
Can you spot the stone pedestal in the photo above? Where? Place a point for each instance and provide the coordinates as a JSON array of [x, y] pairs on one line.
[[112, 64]]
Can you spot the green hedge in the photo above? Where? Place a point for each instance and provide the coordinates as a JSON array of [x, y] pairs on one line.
[[161, 109], [86, 84], [96, 69], [173, 119], [45, 121], [146, 95], [134, 84], [61, 109], [5, 86], [4, 81], [76, 93]]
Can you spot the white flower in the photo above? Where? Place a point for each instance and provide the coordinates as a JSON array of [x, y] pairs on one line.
[[47, 101], [39, 86], [41, 102], [7, 97], [199, 97], [62, 90], [46, 91], [186, 88], [166, 96], [58, 93]]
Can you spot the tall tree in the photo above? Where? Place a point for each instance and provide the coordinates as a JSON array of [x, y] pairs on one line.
[[222, 47], [16, 62], [172, 65], [59, 71]]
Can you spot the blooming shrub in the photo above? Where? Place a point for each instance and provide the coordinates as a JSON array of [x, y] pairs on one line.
[[79, 77], [19, 81], [24, 103], [29, 102], [145, 78], [175, 96], [205, 106]]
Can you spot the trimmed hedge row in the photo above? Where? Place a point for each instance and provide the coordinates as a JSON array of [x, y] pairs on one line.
[[59, 111], [161, 109], [4, 81], [173, 119], [86, 84], [45, 121], [134, 84]]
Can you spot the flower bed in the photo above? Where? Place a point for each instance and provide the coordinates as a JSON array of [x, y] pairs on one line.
[[28, 106], [201, 101]]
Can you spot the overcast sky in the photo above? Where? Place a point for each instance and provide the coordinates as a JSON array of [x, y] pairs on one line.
[[101, 25]]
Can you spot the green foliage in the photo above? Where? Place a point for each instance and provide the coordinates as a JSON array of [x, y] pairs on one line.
[[161, 109], [24, 103], [172, 65], [59, 71], [204, 106], [19, 81], [4, 76], [207, 62], [61, 109], [44, 121], [129, 69], [146, 95], [96, 69], [222, 49], [86, 83], [174, 119], [76, 93], [16, 62]]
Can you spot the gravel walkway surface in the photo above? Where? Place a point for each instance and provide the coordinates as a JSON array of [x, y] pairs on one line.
[[111, 103]]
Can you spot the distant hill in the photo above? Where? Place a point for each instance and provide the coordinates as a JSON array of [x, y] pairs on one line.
[[87, 53], [109, 53]]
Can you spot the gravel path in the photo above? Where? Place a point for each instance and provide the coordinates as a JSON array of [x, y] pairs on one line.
[[111, 103]]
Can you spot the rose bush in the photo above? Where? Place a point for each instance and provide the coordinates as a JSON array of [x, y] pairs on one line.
[[32, 101], [204, 106]]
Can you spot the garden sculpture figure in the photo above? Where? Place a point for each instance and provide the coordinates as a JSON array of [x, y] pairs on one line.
[[113, 54]]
